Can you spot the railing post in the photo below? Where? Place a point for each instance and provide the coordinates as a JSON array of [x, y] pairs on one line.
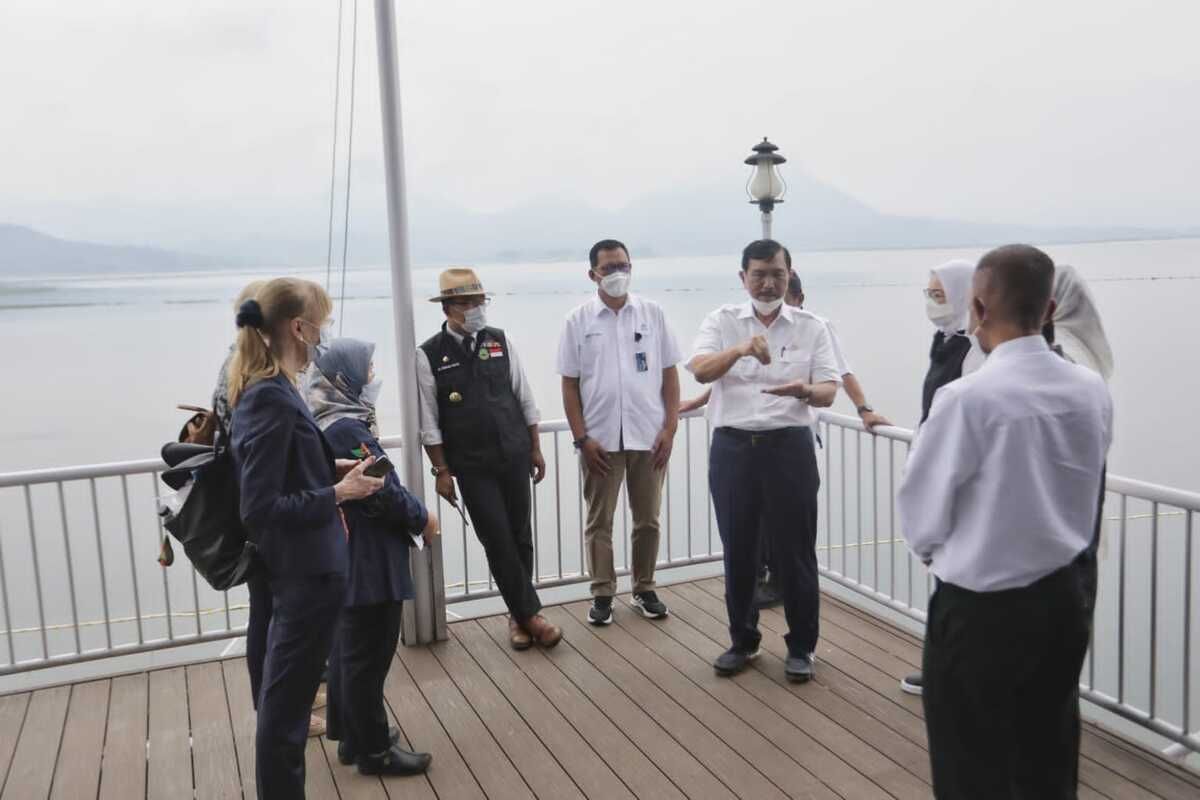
[[425, 617]]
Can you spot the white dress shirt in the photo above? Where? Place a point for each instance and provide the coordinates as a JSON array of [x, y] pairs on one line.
[[619, 358], [431, 431], [801, 350], [1003, 482]]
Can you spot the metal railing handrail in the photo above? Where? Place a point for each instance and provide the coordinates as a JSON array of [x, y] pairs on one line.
[[1144, 490], [97, 612]]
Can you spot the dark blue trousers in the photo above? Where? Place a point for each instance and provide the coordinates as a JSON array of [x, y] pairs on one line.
[[256, 629], [366, 644], [303, 620], [764, 485]]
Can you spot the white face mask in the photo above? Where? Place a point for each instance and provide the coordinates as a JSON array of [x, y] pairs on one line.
[[315, 351], [766, 307], [474, 320], [940, 314], [370, 393], [616, 284]]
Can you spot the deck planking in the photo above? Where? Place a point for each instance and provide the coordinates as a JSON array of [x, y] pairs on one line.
[[631, 710], [79, 760]]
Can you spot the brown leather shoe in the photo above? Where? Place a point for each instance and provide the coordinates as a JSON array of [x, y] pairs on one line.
[[543, 631], [518, 637]]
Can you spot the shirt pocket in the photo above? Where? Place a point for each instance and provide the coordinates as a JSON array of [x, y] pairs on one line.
[[795, 365], [591, 349]]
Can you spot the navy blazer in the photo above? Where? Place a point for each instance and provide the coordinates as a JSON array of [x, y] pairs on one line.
[[286, 476], [379, 526]]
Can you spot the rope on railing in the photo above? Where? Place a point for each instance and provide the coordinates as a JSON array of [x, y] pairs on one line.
[[204, 612]]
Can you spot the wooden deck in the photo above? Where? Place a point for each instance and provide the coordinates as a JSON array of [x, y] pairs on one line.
[[630, 710]]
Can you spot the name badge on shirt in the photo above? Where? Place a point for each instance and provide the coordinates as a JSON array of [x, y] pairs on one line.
[[639, 360], [493, 350]]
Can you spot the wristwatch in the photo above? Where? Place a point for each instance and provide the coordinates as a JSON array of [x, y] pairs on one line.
[[437, 471], [579, 442], [865, 408]]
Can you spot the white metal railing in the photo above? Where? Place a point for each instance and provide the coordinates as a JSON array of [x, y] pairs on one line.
[[79, 580]]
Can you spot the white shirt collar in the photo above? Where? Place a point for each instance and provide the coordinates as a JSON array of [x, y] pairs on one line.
[[598, 307], [786, 312], [1022, 346]]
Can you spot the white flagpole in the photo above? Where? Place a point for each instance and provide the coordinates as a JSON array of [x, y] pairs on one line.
[[425, 617]]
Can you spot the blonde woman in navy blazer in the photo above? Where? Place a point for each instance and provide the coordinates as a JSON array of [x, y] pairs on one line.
[[290, 497]]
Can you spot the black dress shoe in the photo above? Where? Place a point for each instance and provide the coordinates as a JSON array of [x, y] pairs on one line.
[[394, 762], [798, 669], [733, 661], [346, 753]]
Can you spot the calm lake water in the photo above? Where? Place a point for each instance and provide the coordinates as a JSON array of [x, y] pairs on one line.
[[96, 365]]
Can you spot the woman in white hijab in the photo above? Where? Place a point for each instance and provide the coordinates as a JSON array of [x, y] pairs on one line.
[[1077, 327], [947, 304]]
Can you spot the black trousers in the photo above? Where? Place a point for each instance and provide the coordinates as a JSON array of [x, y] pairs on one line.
[[303, 619], [362, 653], [764, 486], [256, 629], [499, 505], [1002, 687]]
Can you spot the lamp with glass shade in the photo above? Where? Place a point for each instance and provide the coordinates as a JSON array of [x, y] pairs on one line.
[[766, 186]]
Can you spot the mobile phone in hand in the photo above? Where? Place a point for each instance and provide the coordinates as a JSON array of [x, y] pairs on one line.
[[382, 466]]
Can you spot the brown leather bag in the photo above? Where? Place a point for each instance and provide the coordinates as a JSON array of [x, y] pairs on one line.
[[201, 428]]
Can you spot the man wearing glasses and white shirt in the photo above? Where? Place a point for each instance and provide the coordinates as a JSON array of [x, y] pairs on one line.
[[620, 391], [769, 365]]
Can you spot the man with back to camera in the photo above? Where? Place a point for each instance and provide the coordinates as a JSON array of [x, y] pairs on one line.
[[479, 424], [999, 498], [769, 364], [620, 390]]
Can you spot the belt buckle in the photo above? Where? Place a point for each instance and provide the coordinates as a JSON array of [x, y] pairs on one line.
[[755, 438]]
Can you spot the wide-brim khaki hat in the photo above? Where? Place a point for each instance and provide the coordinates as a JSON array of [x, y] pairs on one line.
[[458, 282]]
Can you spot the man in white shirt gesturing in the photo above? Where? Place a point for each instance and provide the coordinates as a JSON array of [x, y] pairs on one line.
[[1000, 499], [620, 390], [769, 364]]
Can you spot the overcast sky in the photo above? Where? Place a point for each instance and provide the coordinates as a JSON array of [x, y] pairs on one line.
[[143, 119]]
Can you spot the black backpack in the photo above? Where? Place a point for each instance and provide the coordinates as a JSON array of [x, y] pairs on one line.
[[209, 524]]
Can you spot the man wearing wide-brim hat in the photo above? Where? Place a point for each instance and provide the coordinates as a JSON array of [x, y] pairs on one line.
[[479, 425]]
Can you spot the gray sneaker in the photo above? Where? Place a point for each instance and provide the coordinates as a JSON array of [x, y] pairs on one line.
[[733, 661], [649, 606], [601, 611], [798, 669]]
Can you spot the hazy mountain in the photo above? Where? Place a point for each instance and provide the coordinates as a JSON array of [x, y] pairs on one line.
[[24, 251], [706, 220]]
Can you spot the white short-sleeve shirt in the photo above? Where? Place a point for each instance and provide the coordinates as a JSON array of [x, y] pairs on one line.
[[801, 349], [619, 358]]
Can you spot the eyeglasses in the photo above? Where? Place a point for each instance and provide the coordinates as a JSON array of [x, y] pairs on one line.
[[470, 302], [759, 278], [936, 295], [613, 266], [325, 327]]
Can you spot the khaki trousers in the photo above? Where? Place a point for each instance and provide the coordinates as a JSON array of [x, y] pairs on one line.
[[644, 485]]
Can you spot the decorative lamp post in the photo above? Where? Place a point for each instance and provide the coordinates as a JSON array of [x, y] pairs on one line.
[[765, 187]]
